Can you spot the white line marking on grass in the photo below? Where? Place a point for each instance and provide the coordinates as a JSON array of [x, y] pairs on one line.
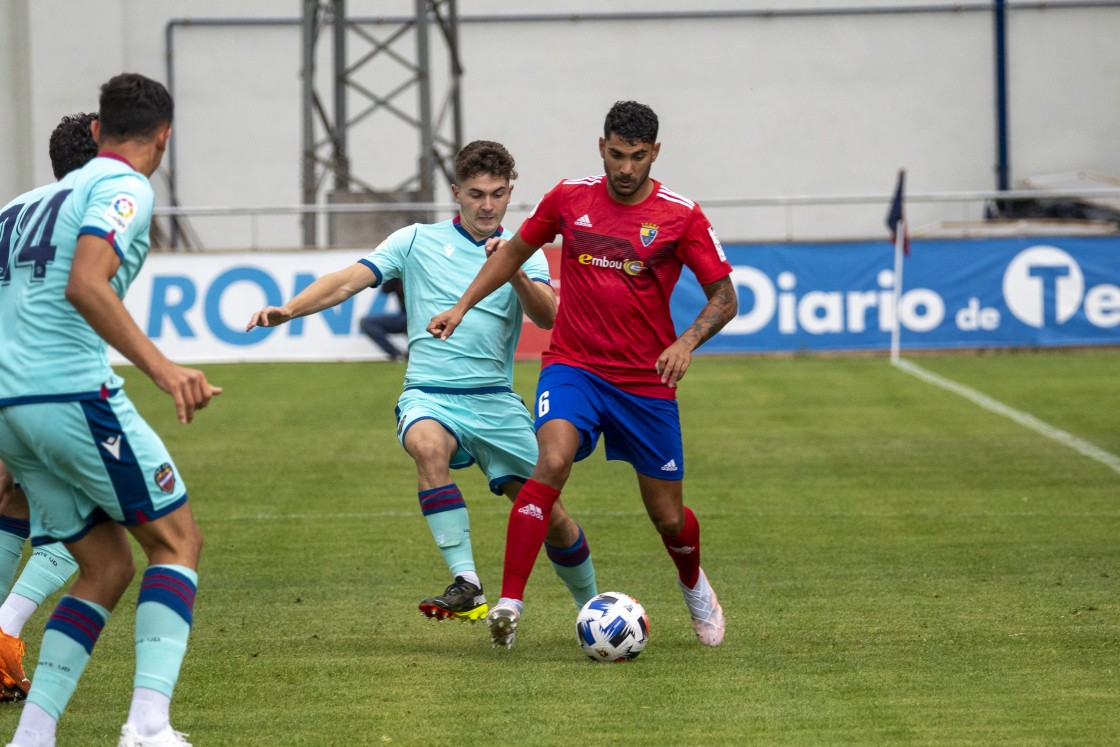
[[351, 515], [811, 514], [1057, 434]]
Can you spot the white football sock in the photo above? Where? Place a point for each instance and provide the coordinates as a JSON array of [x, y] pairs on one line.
[[150, 711], [36, 727], [15, 612]]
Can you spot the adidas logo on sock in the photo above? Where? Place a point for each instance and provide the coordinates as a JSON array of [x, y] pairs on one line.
[[683, 550], [532, 510], [670, 466], [584, 221]]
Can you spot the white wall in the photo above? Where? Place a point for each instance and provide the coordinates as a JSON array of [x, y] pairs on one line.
[[15, 129], [749, 107]]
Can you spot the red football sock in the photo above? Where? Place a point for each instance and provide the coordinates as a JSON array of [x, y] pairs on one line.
[[528, 525], [684, 549]]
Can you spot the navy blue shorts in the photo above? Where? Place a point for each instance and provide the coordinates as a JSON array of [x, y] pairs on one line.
[[644, 431]]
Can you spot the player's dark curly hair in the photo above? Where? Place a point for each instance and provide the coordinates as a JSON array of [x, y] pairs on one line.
[[72, 144], [484, 157], [631, 121], [133, 106]]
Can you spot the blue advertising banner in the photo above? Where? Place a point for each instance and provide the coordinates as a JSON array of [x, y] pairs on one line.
[[958, 293], [792, 297]]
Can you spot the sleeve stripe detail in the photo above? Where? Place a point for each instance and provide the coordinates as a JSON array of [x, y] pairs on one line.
[[110, 236], [588, 180], [372, 266], [671, 196]]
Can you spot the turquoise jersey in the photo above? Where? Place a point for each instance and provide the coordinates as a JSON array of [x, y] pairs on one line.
[[437, 262], [13, 219], [48, 352]]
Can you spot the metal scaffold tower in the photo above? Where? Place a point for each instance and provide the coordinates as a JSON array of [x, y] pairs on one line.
[[359, 97]]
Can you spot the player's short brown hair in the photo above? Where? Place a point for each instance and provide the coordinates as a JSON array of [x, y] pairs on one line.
[[484, 157]]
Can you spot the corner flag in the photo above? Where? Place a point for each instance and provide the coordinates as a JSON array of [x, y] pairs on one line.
[[896, 216], [896, 221]]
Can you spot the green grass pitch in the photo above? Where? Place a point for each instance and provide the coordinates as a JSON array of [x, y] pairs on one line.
[[897, 566]]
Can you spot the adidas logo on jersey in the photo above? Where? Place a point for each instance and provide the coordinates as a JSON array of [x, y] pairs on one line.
[[533, 511], [669, 466], [584, 221]]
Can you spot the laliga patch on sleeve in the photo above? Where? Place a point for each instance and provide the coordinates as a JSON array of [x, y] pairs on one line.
[[715, 240], [121, 211]]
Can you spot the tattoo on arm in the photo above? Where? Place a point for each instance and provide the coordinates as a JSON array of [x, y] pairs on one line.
[[721, 308]]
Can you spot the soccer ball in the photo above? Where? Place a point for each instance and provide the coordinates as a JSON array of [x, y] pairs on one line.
[[612, 627]]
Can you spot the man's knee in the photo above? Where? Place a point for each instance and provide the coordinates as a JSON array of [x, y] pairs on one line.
[[188, 543], [669, 521], [430, 445], [13, 503], [669, 528], [553, 467], [171, 539]]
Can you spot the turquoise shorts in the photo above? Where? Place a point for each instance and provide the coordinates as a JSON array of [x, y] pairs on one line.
[[85, 462], [493, 429]]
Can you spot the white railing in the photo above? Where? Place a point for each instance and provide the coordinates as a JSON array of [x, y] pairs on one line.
[[865, 220]]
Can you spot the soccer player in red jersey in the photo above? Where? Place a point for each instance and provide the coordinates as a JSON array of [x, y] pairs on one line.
[[615, 358]]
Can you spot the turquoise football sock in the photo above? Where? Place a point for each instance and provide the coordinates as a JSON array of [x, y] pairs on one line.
[[47, 570], [13, 533], [574, 567], [446, 513], [164, 612], [68, 641]]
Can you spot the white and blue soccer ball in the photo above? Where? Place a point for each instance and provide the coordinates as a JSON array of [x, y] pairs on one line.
[[612, 627]]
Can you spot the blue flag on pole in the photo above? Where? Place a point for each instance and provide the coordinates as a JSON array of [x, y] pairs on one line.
[[896, 215]]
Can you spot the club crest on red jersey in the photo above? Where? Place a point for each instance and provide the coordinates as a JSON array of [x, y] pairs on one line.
[[649, 233], [165, 478]]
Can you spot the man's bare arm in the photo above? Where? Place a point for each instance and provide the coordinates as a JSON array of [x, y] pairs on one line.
[[721, 308]]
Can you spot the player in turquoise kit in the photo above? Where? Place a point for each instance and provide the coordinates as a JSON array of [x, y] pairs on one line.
[[71, 147], [91, 466], [458, 407]]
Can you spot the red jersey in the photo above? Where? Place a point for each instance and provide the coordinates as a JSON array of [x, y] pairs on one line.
[[619, 264]]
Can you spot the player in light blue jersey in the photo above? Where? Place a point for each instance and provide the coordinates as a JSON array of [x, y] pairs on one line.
[[71, 147], [458, 406], [91, 466]]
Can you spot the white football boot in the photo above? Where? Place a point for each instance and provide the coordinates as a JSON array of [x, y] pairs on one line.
[[502, 621], [707, 614], [166, 738]]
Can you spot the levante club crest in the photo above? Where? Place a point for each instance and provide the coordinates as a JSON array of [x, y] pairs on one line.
[[649, 233], [165, 478]]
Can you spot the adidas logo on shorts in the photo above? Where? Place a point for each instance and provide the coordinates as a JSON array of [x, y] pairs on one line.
[[670, 466]]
